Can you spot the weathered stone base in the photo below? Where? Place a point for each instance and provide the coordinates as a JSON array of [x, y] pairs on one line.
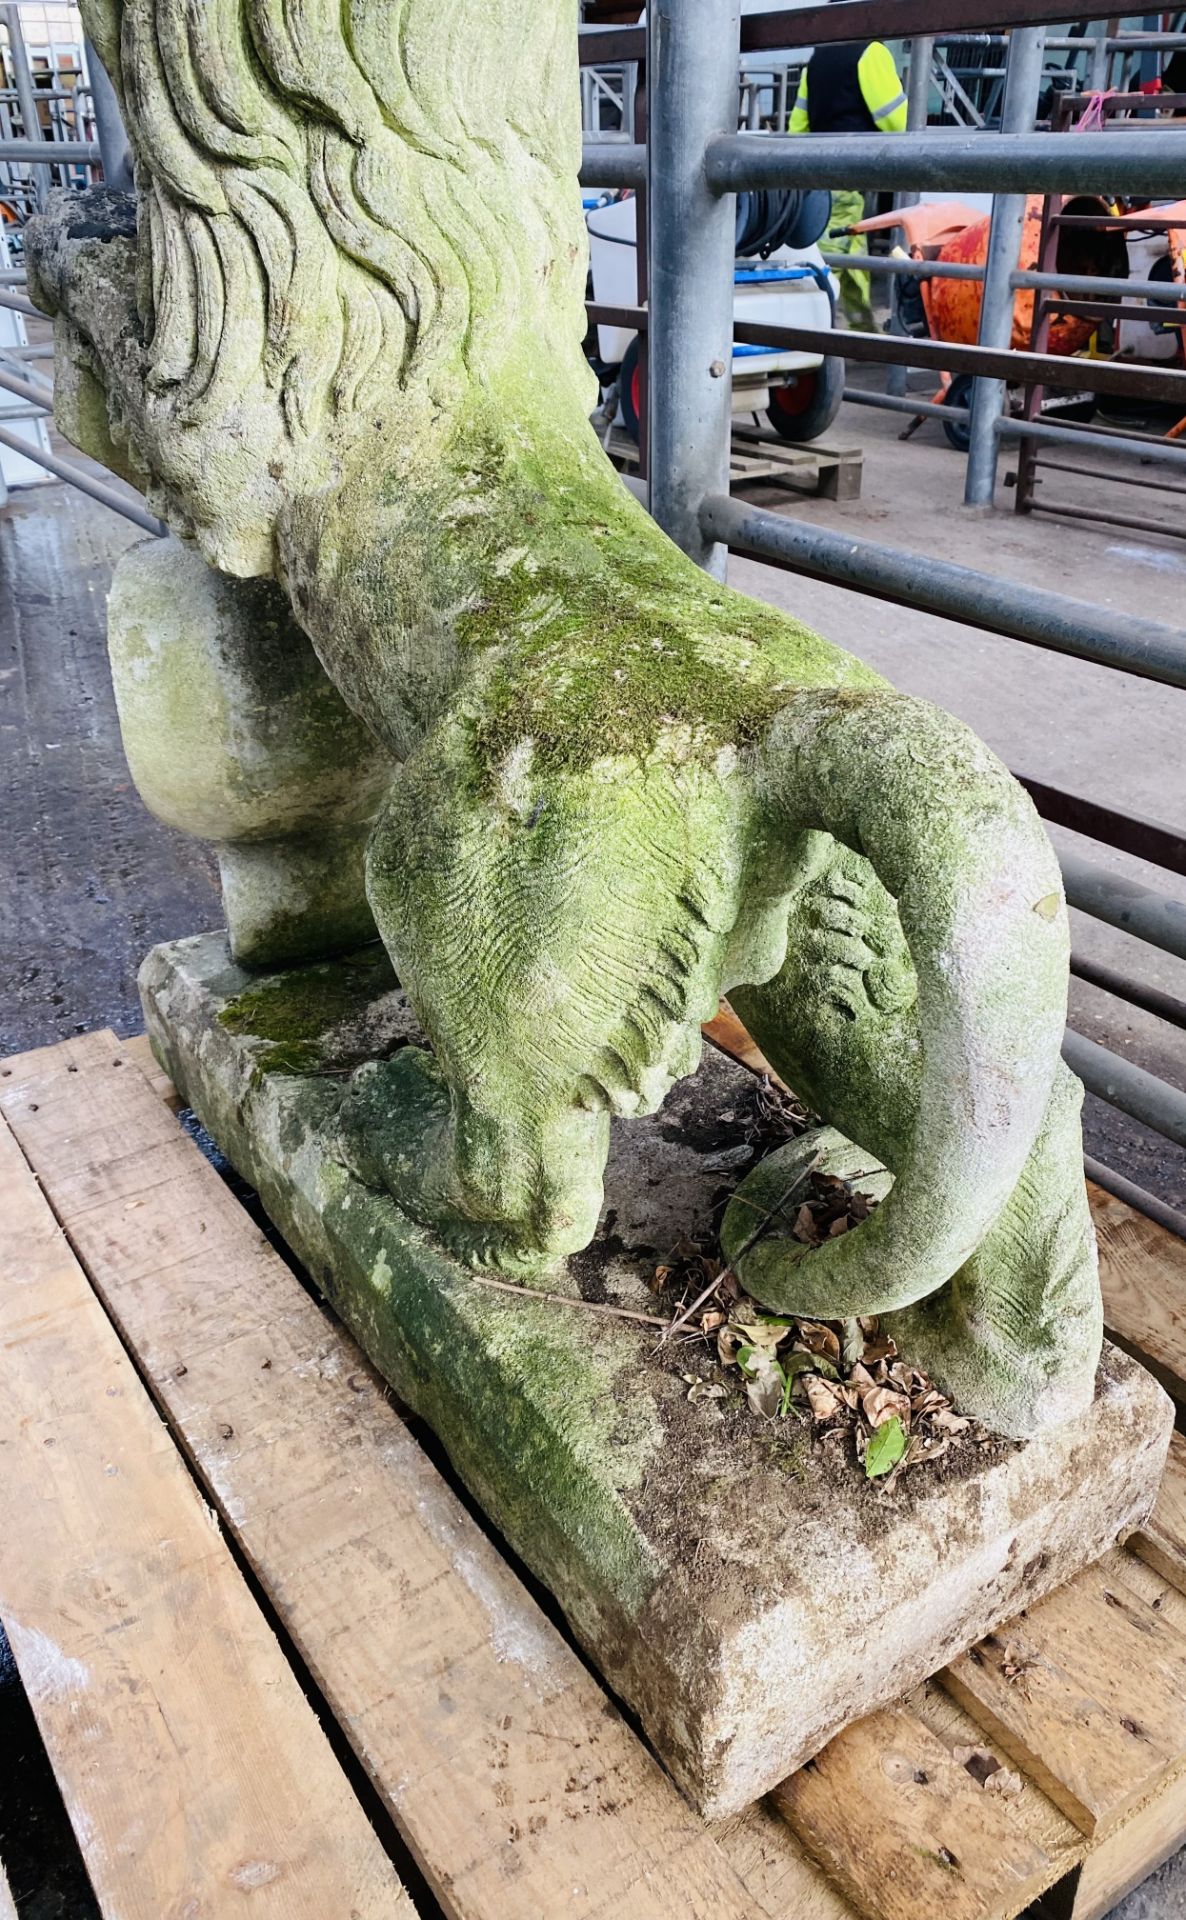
[[746, 1590]]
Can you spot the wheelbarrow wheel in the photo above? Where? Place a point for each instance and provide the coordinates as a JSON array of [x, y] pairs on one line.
[[807, 408], [959, 394]]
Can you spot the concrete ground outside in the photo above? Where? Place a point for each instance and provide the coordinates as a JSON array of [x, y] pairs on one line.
[[90, 881]]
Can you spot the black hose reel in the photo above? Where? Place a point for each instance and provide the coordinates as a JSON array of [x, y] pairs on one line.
[[785, 217]]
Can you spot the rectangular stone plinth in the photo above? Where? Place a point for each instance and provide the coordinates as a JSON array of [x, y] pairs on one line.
[[744, 1588]]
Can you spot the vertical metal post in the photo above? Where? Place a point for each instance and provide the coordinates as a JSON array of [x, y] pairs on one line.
[[693, 51], [1023, 76], [26, 93], [918, 99], [109, 125], [1097, 71]]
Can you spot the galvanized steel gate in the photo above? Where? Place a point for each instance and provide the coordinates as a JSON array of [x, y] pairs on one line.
[[694, 162]]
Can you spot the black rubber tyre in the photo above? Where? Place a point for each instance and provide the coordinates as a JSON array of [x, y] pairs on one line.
[[807, 408], [630, 389], [959, 394]]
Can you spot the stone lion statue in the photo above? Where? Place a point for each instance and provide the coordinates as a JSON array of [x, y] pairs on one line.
[[416, 661]]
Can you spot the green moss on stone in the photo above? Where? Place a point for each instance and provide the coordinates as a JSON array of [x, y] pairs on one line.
[[292, 1012]]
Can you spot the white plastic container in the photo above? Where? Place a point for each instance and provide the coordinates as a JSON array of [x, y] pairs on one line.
[[787, 290]]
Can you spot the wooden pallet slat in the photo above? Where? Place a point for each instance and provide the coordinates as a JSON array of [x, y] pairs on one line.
[[519, 1788], [1143, 1276], [1119, 1859], [1087, 1693], [193, 1770], [1162, 1539], [905, 1830], [517, 1785]]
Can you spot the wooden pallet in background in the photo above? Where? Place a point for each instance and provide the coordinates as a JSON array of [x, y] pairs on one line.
[[761, 456], [516, 1785]]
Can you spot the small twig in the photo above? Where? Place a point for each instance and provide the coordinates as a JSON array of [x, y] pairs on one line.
[[673, 1326], [566, 1300], [800, 1180]]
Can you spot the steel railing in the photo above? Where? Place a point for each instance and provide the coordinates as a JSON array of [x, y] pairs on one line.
[[692, 165]]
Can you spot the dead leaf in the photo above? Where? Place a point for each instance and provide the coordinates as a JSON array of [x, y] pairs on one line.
[[823, 1398], [765, 1334], [766, 1384], [949, 1422], [706, 1390], [880, 1404], [818, 1338], [805, 1228], [728, 1341]]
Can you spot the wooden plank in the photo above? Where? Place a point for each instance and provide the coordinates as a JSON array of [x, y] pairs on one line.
[[194, 1772], [1037, 1816], [1126, 1856], [1143, 1275], [783, 1879], [1128, 1853], [139, 1051], [1162, 1539], [518, 1786], [1087, 1693], [726, 1033], [905, 1830]]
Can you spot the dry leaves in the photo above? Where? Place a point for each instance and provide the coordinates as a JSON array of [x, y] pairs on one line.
[[845, 1377]]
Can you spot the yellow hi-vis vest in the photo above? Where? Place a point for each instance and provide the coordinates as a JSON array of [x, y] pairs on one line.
[[853, 88]]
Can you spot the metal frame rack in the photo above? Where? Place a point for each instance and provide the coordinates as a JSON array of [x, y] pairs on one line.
[[693, 164], [29, 164]]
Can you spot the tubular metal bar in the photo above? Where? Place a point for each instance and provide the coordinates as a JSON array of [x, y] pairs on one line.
[[51, 153], [949, 162], [1090, 283], [78, 477], [850, 20], [692, 64], [1046, 369], [27, 96], [918, 97], [1033, 614], [1122, 1084], [1052, 370], [902, 403], [113, 139], [610, 163], [38, 392], [1133, 992], [1127, 904], [1023, 76], [1172, 452], [1136, 1197], [19, 304], [1145, 839], [912, 269], [1166, 293]]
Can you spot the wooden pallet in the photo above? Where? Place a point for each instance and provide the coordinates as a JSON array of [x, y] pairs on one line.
[[761, 455], [210, 1510]]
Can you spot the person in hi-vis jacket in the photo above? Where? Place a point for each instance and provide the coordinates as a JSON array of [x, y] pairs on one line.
[[850, 87]]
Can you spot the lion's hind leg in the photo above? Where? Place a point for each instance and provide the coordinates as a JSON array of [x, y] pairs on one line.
[[561, 937]]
